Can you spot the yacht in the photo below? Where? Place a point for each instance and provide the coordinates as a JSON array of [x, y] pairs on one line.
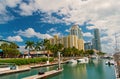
[[72, 61], [83, 60]]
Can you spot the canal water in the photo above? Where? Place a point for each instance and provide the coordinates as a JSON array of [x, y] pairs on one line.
[[95, 69]]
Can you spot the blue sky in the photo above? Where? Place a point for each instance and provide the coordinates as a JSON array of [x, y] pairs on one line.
[[22, 20]]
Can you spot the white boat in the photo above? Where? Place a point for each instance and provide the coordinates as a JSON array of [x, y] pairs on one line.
[[94, 56], [83, 60], [72, 61]]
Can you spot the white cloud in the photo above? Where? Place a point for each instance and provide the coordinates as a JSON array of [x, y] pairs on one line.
[[22, 48], [27, 33], [30, 32], [51, 30], [109, 48], [104, 14], [14, 38], [5, 15], [87, 34], [67, 30], [12, 3], [48, 18]]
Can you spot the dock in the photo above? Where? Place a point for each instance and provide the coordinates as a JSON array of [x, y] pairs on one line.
[[45, 65], [46, 74], [14, 71]]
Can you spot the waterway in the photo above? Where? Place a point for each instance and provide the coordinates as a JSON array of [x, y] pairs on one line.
[[95, 69]]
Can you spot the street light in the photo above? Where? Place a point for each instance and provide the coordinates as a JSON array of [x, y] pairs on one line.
[[58, 60]]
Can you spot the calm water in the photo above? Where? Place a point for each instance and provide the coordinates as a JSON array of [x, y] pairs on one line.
[[95, 69]]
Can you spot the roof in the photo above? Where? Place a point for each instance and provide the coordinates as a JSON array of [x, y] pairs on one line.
[[74, 27], [37, 52]]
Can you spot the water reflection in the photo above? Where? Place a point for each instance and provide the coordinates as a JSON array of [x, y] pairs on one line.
[[72, 64], [95, 69]]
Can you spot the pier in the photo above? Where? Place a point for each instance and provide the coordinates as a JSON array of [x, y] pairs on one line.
[[14, 71], [46, 74]]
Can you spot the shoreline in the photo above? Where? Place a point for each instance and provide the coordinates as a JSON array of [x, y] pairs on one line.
[[23, 68]]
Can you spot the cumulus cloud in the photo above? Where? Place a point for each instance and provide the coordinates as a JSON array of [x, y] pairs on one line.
[[51, 30], [67, 30], [87, 34], [30, 32], [14, 38], [4, 13], [104, 14]]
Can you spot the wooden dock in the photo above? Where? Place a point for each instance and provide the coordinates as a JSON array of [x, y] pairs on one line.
[[46, 74]]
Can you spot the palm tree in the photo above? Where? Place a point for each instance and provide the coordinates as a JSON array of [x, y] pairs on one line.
[[47, 46], [60, 47], [30, 46], [38, 46]]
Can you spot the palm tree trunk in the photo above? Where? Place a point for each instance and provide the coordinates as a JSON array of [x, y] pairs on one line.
[[29, 53]]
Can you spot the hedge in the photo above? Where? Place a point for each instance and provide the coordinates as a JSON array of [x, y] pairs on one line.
[[23, 61]]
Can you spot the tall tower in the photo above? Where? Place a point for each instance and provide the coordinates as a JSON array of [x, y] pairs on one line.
[[96, 40], [75, 30]]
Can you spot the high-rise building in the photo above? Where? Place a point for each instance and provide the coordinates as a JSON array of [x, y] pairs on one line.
[[72, 40], [69, 41], [88, 46], [96, 40], [75, 30]]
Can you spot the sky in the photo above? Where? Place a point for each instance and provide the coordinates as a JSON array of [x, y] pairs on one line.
[[22, 20]]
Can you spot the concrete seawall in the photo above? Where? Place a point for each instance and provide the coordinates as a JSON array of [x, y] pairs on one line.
[[46, 74]]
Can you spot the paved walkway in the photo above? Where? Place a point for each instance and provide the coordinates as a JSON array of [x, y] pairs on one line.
[[14, 71], [26, 67]]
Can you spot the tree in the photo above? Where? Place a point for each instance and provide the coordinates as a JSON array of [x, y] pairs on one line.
[[13, 45], [82, 53], [47, 46], [29, 46], [89, 52], [38, 46], [10, 50], [75, 51], [54, 49], [67, 52]]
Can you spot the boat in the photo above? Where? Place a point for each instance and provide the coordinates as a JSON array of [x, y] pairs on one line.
[[94, 57], [72, 61], [83, 60]]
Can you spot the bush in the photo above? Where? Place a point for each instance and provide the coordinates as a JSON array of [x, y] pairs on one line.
[[22, 61]]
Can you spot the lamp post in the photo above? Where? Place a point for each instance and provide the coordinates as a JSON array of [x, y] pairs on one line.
[[58, 60]]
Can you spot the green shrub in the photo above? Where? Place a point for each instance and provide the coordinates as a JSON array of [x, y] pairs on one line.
[[22, 61]]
